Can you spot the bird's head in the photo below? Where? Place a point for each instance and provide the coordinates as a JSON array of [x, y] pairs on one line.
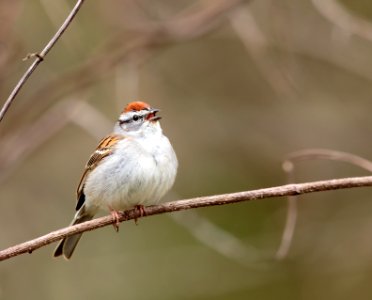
[[137, 117]]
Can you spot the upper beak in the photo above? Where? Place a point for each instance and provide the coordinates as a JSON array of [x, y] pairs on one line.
[[152, 115]]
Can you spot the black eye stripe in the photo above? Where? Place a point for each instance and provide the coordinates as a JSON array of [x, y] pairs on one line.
[[124, 121], [134, 118]]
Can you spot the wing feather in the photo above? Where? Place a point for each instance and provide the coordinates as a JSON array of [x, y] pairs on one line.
[[105, 148]]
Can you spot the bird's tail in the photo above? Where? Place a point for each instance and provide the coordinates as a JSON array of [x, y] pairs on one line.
[[67, 246]]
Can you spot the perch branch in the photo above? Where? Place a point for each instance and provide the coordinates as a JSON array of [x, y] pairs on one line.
[[39, 58], [279, 191]]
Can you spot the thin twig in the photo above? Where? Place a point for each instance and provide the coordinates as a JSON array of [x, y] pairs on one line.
[[39, 58], [291, 219], [279, 191], [56, 11], [288, 167], [328, 154]]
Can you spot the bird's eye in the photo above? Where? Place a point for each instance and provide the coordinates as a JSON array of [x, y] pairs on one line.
[[136, 118]]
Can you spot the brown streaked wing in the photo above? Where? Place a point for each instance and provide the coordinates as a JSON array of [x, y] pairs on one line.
[[104, 148]]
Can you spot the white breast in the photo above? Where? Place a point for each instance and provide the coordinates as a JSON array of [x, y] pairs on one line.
[[139, 172]]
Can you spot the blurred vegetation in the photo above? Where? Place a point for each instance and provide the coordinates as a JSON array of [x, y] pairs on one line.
[[266, 79]]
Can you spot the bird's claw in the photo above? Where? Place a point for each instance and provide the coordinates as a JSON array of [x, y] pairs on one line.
[[142, 212], [115, 214]]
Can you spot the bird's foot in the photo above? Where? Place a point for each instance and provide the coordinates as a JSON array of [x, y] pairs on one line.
[[141, 210], [116, 215]]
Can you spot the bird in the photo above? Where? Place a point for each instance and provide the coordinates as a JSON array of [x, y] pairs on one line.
[[132, 167]]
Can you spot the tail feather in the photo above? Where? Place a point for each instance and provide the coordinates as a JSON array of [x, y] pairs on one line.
[[67, 245]]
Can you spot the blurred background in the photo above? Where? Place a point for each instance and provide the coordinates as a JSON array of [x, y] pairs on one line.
[[240, 85]]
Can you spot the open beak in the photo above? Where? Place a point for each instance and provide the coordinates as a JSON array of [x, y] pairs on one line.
[[152, 115]]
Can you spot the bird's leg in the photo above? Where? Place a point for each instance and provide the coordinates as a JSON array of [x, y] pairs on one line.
[[115, 214], [141, 210]]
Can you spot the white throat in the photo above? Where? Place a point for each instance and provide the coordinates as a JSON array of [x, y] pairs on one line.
[[148, 129]]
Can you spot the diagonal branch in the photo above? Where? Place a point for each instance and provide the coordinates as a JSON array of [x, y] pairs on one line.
[[278, 191], [39, 58]]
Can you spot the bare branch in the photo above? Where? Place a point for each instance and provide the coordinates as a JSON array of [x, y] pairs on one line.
[[279, 191], [56, 11], [288, 167], [291, 219], [319, 153], [39, 58]]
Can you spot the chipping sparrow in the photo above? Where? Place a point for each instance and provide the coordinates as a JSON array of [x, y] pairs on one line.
[[134, 166]]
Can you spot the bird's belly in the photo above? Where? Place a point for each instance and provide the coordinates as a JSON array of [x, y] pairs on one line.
[[119, 184]]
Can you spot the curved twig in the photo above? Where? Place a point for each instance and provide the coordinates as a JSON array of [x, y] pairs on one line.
[[279, 191], [288, 167], [291, 218], [39, 58]]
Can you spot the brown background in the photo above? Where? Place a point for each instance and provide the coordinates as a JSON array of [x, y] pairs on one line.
[[267, 79]]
